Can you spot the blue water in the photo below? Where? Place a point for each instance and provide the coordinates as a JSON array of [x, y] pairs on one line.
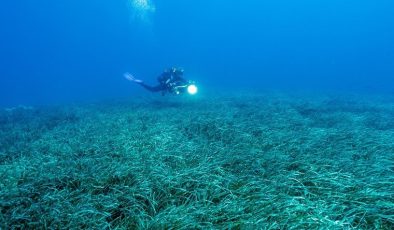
[[66, 51]]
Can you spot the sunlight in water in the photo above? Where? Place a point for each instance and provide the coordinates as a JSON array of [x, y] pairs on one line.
[[141, 10]]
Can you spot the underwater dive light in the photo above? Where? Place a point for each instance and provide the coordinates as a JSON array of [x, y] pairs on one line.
[[192, 89]]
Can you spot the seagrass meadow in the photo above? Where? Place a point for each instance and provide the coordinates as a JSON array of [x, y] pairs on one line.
[[239, 161]]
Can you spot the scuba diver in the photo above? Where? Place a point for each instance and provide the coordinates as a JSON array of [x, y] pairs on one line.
[[170, 81]]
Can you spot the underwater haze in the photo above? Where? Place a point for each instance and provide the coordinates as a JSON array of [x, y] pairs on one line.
[[292, 126], [66, 51]]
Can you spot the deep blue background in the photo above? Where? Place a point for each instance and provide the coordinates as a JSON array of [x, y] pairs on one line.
[[55, 51]]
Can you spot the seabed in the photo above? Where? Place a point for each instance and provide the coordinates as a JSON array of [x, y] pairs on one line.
[[241, 161]]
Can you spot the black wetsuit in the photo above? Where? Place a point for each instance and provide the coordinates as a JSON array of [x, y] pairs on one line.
[[169, 81]]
